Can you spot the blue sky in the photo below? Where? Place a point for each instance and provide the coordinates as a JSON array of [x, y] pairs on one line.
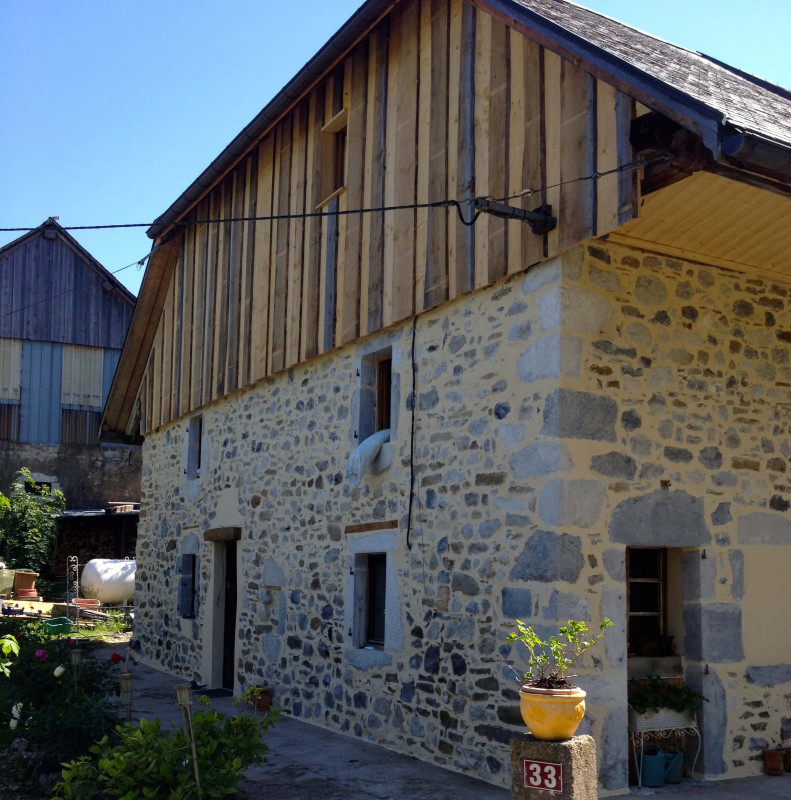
[[111, 109]]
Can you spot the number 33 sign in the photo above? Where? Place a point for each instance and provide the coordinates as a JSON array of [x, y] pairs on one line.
[[544, 775]]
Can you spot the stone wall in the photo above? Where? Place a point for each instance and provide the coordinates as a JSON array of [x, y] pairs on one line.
[[604, 398], [89, 477]]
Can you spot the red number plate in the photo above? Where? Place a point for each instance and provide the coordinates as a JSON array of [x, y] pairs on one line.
[[544, 775]]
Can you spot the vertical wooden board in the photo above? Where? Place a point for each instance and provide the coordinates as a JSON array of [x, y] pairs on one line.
[[176, 330], [329, 247], [465, 150], [166, 369], [198, 305], [225, 271], [235, 271], [423, 150], [344, 86], [399, 291], [248, 260], [259, 333], [552, 122], [516, 142], [606, 159], [296, 234], [328, 320], [312, 254], [391, 130], [188, 259], [453, 187], [499, 96], [628, 185], [156, 378], [577, 155], [283, 178], [533, 164], [356, 153], [210, 296], [483, 66], [378, 82], [436, 281]]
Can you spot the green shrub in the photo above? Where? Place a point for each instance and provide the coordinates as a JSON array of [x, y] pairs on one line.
[[27, 522], [41, 700], [151, 764], [652, 693]]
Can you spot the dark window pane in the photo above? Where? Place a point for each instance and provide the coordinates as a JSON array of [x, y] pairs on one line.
[[377, 567], [644, 563], [644, 597]]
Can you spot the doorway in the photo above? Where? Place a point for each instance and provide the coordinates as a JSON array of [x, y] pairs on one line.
[[229, 617]]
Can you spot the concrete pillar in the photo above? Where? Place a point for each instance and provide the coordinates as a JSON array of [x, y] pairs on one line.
[[563, 770]]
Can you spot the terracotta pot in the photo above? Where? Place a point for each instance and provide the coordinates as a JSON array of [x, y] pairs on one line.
[[773, 761], [787, 759], [552, 714], [25, 583], [263, 701]]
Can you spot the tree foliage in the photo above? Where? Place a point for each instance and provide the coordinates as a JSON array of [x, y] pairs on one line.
[[27, 522]]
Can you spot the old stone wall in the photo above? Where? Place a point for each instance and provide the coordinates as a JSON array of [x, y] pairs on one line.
[[89, 477], [604, 399]]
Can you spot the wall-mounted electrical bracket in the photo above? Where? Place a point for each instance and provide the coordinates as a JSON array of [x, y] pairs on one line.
[[540, 220]]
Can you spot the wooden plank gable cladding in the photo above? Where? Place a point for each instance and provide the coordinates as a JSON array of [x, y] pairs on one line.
[[440, 100]]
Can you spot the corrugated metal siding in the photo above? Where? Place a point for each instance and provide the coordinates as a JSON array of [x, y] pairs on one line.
[[48, 292], [9, 422], [10, 369], [82, 376], [79, 426], [41, 381], [108, 371]]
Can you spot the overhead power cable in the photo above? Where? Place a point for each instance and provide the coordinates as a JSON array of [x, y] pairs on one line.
[[461, 206]]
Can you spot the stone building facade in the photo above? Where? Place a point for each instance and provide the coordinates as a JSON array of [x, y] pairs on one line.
[[603, 400]]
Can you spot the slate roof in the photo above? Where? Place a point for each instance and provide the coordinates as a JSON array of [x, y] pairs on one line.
[[745, 101]]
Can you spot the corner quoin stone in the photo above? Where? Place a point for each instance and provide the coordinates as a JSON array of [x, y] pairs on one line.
[[577, 756]]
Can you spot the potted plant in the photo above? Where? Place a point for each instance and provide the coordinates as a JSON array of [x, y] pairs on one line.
[[259, 697], [657, 704], [551, 706]]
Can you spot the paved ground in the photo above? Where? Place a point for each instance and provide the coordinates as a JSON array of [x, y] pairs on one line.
[[308, 763]]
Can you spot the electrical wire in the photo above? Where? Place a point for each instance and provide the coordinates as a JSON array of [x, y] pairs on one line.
[[457, 204]]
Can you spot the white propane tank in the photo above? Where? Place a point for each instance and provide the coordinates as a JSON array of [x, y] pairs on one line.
[[109, 580]]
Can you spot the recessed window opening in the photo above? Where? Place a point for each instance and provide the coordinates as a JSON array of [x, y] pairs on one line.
[[375, 627], [333, 156], [194, 447], [384, 371], [376, 386], [646, 570]]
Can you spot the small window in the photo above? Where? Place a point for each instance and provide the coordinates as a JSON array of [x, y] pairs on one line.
[[188, 584], [333, 156], [376, 387], [646, 569], [194, 445], [384, 370], [370, 590]]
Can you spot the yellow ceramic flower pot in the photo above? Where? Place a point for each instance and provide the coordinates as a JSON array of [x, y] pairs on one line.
[[552, 714]]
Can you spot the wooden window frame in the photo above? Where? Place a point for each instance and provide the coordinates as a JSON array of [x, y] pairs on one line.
[[662, 580], [334, 158]]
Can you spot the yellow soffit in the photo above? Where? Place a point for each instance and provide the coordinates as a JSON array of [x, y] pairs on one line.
[[718, 221]]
